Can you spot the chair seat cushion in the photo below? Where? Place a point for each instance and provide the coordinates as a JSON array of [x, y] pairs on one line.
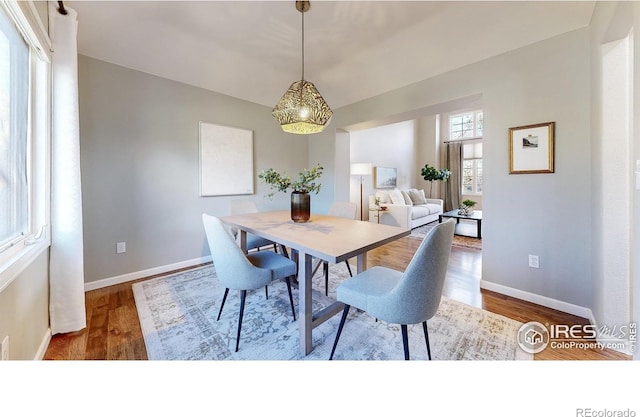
[[371, 283], [280, 266]]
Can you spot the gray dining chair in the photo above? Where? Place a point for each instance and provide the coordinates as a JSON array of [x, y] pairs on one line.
[[347, 210], [245, 207], [253, 242], [243, 272], [402, 298]]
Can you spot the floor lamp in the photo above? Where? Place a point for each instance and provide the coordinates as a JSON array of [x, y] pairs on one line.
[[361, 169]]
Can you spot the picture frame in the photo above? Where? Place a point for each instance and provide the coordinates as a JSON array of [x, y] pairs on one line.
[[384, 177], [531, 149], [226, 160]]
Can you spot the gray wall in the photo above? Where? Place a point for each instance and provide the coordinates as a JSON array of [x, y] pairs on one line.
[[139, 150], [24, 310], [391, 145], [523, 214]]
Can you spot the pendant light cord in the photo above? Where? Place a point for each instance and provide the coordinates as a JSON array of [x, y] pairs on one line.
[[302, 44]]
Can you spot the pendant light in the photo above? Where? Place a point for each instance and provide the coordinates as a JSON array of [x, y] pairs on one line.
[[302, 110]]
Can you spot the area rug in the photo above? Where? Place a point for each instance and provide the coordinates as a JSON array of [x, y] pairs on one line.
[[178, 317], [458, 240]]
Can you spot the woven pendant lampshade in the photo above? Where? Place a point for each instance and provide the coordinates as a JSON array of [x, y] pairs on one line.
[[302, 110]]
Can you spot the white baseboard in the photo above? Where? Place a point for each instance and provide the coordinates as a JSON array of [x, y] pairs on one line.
[[614, 343], [94, 285], [557, 305], [563, 306], [44, 345]]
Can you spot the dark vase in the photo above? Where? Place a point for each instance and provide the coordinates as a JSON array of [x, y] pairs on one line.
[[300, 207]]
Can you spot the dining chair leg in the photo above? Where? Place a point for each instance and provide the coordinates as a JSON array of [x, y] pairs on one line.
[[426, 338], [243, 298], [342, 320], [224, 298], [405, 341], [349, 268], [293, 310], [266, 291]]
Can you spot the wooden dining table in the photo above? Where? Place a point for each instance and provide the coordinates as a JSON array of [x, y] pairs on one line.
[[329, 238]]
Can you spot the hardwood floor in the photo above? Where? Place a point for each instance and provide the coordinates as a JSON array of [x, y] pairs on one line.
[[113, 329]]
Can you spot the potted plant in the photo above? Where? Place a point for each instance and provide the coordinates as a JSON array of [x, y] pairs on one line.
[[467, 208], [431, 174], [306, 183]]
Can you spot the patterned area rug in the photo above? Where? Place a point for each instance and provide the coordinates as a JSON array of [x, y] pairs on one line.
[[460, 241], [178, 317]]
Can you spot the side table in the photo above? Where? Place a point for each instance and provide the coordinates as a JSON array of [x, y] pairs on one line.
[[374, 215]]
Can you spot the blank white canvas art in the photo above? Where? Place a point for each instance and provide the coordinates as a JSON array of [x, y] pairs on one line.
[[226, 160]]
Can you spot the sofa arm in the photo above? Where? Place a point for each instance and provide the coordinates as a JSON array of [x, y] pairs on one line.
[[396, 215]]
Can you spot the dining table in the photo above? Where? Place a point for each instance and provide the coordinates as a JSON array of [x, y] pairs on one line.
[[328, 238]]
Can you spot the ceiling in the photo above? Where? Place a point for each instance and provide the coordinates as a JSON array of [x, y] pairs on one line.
[[353, 49]]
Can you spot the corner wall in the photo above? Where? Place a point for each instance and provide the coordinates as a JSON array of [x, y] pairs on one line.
[[616, 144], [140, 172]]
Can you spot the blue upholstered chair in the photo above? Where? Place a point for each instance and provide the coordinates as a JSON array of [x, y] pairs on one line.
[[253, 242], [402, 298], [347, 210], [239, 271], [244, 207]]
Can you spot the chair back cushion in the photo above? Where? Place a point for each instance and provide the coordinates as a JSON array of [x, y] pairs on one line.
[[417, 295], [232, 266], [344, 209]]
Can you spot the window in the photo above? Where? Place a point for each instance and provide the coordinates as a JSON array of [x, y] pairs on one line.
[[466, 125], [472, 168], [25, 83], [14, 118]]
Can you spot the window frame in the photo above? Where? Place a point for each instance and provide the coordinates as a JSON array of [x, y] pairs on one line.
[[474, 114], [17, 256], [474, 177], [475, 138]]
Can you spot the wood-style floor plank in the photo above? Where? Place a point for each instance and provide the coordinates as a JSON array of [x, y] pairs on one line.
[[113, 327]]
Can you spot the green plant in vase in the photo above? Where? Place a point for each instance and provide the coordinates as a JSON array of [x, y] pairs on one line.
[[307, 182], [467, 208]]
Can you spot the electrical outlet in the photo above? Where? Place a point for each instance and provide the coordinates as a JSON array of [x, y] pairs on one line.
[[534, 261], [121, 247], [4, 354]]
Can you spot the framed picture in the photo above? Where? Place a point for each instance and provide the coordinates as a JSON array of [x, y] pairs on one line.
[[531, 149], [226, 160], [385, 177]]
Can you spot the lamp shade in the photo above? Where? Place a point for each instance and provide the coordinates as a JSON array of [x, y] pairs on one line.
[[363, 168], [302, 110]]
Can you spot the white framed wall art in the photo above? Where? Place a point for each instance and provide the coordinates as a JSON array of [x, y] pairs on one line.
[[226, 160]]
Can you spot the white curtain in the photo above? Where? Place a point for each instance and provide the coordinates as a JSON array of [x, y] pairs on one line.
[[66, 267]]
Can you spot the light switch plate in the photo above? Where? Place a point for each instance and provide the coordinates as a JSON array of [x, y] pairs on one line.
[[121, 247]]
